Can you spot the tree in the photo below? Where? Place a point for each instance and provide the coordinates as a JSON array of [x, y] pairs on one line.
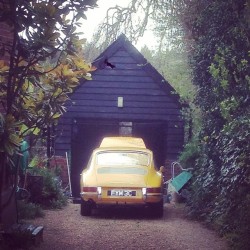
[[135, 18], [44, 65]]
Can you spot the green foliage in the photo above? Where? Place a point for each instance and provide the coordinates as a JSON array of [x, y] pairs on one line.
[[42, 62], [9, 139], [59, 202], [45, 64], [173, 65], [52, 195], [221, 64], [28, 210], [190, 154]]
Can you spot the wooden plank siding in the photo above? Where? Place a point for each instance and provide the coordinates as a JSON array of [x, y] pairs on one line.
[[147, 98]]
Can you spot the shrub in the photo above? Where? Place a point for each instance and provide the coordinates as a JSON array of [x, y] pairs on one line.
[[27, 210], [52, 195], [190, 154]]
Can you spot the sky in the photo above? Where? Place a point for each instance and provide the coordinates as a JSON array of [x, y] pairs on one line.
[[96, 15]]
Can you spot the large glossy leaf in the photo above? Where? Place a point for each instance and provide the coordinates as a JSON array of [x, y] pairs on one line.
[[42, 73]]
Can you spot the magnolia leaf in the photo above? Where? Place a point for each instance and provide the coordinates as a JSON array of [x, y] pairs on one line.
[[80, 15], [3, 66], [29, 103], [92, 68], [66, 71], [73, 29], [23, 129], [40, 95], [74, 79], [81, 64], [63, 97], [34, 162], [2, 63], [36, 131], [15, 140], [58, 92], [26, 84], [56, 115], [72, 84], [87, 77]]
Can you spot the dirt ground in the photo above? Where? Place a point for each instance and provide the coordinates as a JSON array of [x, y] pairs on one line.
[[124, 229]]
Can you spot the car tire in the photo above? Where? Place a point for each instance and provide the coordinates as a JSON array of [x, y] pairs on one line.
[[156, 209], [85, 208]]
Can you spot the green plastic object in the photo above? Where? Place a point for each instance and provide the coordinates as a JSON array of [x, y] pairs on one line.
[[25, 155], [180, 180]]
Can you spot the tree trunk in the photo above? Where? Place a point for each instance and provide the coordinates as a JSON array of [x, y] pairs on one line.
[[8, 210]]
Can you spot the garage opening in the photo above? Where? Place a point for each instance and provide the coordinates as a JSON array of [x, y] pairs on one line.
[[87, 135]]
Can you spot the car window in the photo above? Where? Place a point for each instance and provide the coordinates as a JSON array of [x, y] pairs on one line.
[[123, 158]]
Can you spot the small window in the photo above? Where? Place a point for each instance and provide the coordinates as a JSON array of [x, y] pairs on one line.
[[125, 128]]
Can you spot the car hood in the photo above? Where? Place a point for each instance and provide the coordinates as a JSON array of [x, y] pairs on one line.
[[122, 176]]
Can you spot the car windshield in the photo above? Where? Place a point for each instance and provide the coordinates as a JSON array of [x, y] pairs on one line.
[[123, 158]]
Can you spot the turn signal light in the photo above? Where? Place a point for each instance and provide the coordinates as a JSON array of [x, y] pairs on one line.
[[154, 190], [89, 189]]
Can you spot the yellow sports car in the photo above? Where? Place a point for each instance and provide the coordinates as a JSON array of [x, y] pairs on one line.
[[121, 172]]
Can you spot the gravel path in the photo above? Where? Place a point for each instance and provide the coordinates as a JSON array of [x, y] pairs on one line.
[[124, 229]]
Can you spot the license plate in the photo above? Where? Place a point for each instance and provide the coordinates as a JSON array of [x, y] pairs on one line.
[[121, 192]]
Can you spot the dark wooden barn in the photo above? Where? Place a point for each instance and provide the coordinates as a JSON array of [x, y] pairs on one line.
[[127, 96]]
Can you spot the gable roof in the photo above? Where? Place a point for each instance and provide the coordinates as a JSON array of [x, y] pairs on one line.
[[126, 87], [126, 95], [103, 60]]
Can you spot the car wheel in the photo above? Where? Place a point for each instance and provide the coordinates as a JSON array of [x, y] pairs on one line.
[[156, 209], [85, 208]]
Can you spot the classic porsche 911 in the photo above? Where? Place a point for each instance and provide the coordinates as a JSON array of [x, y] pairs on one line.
[[121, 172]]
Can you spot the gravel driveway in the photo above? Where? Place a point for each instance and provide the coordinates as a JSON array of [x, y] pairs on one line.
[[124, 229]]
